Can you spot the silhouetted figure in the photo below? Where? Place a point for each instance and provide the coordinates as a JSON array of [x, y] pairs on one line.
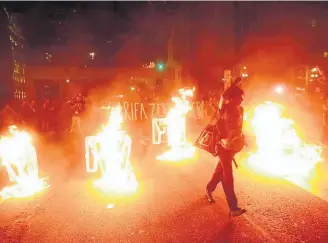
[[230, 141]]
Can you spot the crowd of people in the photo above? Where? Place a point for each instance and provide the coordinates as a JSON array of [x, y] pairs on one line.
[[46, 116], [61, 115]]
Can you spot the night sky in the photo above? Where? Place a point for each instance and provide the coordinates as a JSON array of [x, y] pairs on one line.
[[205, 32]]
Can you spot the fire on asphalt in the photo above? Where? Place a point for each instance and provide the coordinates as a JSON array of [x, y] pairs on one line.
[[169, 205]]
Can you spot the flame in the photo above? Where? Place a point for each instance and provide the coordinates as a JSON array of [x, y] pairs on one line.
[[111, 150], [180, 148], [18, 156], [280, 151]]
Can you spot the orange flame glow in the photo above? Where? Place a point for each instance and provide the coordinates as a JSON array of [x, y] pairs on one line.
[[180, 148], [18, 156], [111, 149], [280, 151]]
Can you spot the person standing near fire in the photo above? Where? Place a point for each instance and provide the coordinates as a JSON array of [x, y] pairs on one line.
[[76, 118], [230, 141]]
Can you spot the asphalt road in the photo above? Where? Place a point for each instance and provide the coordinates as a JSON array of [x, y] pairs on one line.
[[169, 207]]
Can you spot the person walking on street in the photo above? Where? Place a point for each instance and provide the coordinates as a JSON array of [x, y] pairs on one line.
[[230, 141]]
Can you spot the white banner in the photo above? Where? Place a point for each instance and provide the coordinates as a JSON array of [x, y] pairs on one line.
[[144, 111]]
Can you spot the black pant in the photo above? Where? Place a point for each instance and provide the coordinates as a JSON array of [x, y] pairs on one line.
[[223, 172]]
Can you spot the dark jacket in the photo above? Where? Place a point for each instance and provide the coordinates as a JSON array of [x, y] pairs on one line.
[[230, 127]]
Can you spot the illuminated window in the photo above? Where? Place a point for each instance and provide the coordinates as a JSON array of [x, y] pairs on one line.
[[92, 55], [48, 56], [16, 66], [314, 23], [325, 54]]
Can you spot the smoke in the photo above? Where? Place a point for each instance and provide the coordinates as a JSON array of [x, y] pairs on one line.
[[274, 55], [305, 112]]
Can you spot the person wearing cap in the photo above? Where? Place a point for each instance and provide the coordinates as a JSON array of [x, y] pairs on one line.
[[230, 142]]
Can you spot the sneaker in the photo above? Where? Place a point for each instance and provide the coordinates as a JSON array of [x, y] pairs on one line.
[[209, 196], [236, 212]]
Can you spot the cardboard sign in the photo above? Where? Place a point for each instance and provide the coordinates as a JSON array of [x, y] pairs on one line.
[[91, 162], [159, 128]]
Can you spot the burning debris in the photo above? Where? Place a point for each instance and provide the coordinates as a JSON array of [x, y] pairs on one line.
[[280, 151], [111, 150], [180, 148], [18, 156]]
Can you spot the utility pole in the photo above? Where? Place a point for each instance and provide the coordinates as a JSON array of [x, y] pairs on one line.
[[174, 63], [307, 76], [238, 29], [170, 59]]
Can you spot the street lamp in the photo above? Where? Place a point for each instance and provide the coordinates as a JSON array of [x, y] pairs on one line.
[[279, 89], [314, 74], [244, 72]]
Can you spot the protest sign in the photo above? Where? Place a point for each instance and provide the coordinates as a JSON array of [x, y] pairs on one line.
[[143, 111]]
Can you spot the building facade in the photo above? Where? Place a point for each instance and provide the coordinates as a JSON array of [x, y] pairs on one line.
[[6, 84], [18, 46], [13, 62]]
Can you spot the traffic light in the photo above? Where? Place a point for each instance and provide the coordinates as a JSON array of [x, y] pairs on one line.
[[160, 66]]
